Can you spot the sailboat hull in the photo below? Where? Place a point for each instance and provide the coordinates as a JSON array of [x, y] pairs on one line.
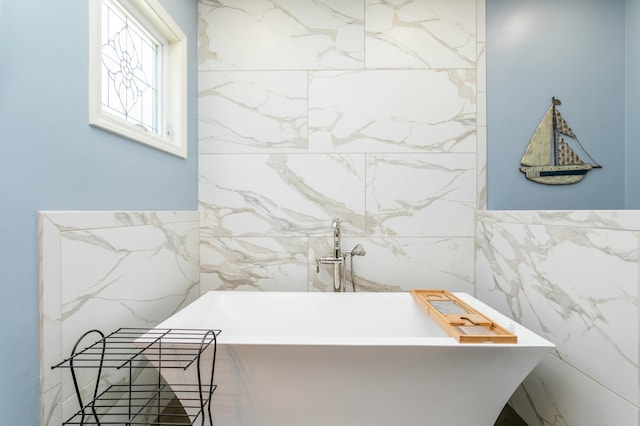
[[556, 175]]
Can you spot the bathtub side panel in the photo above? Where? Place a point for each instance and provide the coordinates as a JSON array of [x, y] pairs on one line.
[[366, 386]]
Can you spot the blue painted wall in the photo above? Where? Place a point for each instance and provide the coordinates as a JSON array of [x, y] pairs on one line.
[[51, 159], [632, 196], [573, 50]]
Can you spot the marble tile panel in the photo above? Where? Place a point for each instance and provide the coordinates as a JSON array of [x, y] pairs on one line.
[[577, 287], [399, 264], [481, 92], [481, 19], [266, 264], [107, 264], [50, 353], [280, 34], [420, 34], [252, 111], [605, 219], [565, 397], [392, 111], [75, 220], [281, 195], [130, 269], [138, 275], [481, 160], [421, 195]]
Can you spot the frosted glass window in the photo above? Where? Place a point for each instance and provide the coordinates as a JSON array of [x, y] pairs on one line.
[[137, 70]]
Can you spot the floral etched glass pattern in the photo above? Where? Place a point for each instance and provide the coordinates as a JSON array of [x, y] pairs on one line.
[[130, 69]]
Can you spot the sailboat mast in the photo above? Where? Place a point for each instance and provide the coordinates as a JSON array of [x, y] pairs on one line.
[[555, 102]]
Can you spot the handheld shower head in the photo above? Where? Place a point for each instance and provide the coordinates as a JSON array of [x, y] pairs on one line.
[[358, 250]]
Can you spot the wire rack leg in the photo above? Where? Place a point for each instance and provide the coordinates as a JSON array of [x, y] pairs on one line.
[[206, 400], [102, 342]]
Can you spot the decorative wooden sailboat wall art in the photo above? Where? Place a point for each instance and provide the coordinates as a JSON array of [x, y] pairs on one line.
[[548, 158]]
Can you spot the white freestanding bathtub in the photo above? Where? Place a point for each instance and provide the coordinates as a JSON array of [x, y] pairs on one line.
[[351, 359]]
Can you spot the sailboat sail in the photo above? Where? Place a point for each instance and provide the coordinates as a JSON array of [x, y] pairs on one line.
[[538, 151], [566, 155], [548, 158], [562, 126]]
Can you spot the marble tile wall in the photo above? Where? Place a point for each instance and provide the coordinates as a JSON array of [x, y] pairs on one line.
[[573, 278], [368, 111], [107, 270]]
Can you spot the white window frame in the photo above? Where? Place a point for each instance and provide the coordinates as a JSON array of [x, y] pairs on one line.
[[155, 19]]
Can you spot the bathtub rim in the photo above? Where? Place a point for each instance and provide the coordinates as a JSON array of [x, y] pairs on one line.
[[526, 337]]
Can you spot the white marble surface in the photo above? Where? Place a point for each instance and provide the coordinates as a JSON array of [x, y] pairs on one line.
[[258, 263], [573, 278], [421, 34], [481, 116], [399, 264], [281, 34], [372, 112], [481, 168], [107, 270], [392, 111], [280, 195], [605, 219], [421, 195], [252, 111]]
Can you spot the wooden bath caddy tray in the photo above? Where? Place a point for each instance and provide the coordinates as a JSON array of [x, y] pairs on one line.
[[459, 320]]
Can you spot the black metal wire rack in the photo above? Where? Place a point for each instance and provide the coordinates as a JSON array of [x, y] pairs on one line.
[[136, 402]]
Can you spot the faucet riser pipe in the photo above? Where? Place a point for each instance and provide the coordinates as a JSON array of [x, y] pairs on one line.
[[337, 277]]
